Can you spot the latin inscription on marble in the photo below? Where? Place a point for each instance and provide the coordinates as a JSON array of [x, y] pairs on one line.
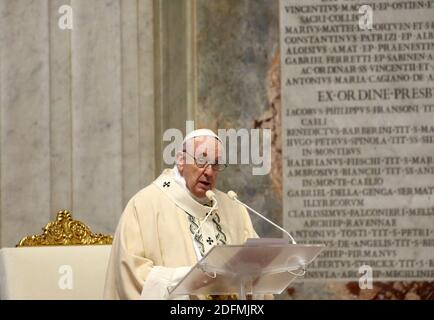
[[358, 135]]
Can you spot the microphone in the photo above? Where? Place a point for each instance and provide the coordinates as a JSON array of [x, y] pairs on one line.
[[211, 196], [233, 196]]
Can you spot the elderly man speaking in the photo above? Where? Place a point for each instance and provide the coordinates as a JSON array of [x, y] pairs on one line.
[[169, 225]]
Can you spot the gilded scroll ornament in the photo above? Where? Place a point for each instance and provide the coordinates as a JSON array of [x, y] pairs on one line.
[[65, 231]]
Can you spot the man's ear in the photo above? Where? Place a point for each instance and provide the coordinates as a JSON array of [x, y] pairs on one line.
[[180, 161]]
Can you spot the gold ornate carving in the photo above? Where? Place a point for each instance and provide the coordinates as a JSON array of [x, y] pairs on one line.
[[221, 297], [65, 231]]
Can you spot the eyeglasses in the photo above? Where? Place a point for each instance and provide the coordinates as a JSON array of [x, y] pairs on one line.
[[201, 162]]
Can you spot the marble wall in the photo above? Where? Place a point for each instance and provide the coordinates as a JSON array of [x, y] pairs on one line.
[[238, 86], [76, 112], [236, 41]]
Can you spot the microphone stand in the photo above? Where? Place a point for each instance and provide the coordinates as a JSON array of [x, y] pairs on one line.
[[234, 197]]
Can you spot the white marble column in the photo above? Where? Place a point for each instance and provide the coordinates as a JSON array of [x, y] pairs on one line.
[[96, 96], [25, 118], [76, 112], [60, 112]]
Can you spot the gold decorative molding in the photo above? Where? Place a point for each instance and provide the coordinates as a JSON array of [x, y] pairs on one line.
[[221, 297], [65, 231]]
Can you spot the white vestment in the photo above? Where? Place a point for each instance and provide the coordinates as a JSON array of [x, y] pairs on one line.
[[153, 247]]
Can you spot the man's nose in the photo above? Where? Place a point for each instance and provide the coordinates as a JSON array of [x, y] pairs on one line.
[[208, 170]]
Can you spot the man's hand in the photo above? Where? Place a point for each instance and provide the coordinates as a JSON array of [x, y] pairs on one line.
[[203, 280]]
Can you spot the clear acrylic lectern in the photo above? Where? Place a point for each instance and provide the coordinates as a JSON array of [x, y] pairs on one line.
[[260, 266]]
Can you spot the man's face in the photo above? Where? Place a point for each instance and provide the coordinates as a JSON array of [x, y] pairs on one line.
[[200, 180]]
